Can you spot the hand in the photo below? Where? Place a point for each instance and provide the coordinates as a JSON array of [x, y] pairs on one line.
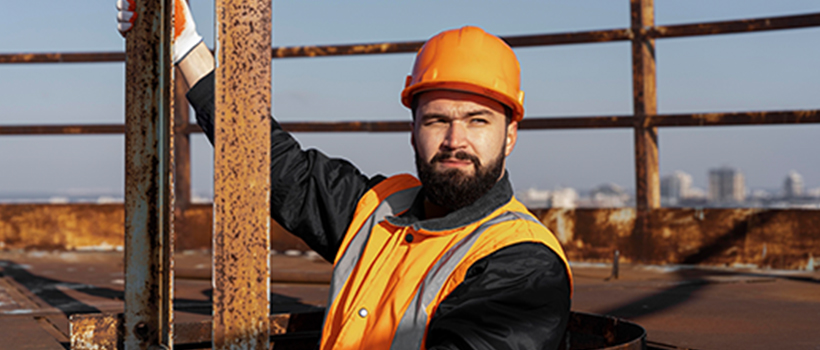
[[185, 35], [125, 16]]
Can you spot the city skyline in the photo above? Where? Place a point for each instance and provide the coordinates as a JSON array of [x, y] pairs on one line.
[[726, 190]]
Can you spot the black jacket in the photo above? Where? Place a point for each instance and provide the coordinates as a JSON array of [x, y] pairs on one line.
[[515, 298]]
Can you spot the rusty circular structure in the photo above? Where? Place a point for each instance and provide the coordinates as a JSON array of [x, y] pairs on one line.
[[600, 332], [584, 332]]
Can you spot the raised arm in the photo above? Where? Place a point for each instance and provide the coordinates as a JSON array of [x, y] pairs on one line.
[[313, 196]]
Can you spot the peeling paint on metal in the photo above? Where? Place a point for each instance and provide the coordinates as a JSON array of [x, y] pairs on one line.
[[148, 198]]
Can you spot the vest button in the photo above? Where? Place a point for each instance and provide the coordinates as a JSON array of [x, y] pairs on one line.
[[362, 312], [408, 238]]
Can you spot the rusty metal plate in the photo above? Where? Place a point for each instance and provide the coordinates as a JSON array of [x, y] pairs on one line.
[[765, 238], [96, 332]]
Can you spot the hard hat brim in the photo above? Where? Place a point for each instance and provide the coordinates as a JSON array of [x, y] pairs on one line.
[[516, 106]]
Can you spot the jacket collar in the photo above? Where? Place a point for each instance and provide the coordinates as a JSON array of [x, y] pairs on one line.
[[499, 195]]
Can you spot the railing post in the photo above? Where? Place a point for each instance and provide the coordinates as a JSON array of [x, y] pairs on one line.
[[242, 175], [148, 177], [647, 183]]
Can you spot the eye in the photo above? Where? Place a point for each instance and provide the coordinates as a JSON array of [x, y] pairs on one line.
[[479, 121], [434, 121]]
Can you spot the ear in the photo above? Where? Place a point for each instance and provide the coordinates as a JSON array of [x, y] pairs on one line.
[[512, 137]]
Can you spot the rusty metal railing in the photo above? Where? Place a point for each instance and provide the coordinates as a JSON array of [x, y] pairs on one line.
[[645, 119], [597, 36], [241, 298]]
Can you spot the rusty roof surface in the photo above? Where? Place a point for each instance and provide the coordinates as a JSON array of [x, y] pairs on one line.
[[685, 307]]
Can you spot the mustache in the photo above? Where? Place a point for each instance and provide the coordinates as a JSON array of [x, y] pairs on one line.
[[444, 155]]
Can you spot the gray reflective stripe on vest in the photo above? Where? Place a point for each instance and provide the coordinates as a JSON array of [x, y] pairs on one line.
[[394, 204], [413, 323]]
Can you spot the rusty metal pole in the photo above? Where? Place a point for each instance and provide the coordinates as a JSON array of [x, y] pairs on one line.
[[182, 153], [647, 183], [241, 236], [148, 178]]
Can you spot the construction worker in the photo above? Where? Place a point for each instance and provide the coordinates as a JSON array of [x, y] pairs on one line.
[[450, 260]]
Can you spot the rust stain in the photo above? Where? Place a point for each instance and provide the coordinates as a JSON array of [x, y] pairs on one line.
[[766, 238], [100, 227], [644, 100], [148, 278], [96, 331], [61, 226], [773, 238], [242, 176]]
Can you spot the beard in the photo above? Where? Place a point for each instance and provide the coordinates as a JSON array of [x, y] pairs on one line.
[[451, 188]]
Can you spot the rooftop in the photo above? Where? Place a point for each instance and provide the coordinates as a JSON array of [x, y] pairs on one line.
[[681, 307]]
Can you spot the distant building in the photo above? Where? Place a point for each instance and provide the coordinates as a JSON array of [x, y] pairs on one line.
[[609, 195], [565, 197], [676, 187], [534, 198], [793, 185], [726, 185]]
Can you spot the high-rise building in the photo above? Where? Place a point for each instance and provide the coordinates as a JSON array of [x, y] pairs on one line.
[[793, 185], [676, 186], [726, 185]]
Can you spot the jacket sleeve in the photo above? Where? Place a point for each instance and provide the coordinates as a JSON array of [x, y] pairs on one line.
[[515, 298], [312, 196]]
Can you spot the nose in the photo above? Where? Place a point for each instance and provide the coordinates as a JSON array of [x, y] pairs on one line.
[[456, 137]]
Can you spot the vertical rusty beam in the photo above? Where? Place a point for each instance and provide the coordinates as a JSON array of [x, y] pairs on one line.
[[242, 175], [647, 183], [148, 194], [182, 153]]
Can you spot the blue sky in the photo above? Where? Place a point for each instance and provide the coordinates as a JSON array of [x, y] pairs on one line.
[[741, 72]]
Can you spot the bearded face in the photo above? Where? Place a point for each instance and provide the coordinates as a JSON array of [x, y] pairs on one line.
[[461, 141], [452, 188]]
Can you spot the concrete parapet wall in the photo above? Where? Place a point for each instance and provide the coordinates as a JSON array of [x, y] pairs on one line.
[[776, 238]]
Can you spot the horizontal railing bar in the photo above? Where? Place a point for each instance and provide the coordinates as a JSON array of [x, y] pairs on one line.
[[63, 57], [577, 123], [736, 26], [671, 31], [413, 46], [78, 129], [529, 123], [735, 118]]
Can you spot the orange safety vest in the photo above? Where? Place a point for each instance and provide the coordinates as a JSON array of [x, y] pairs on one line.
[[386, 286]]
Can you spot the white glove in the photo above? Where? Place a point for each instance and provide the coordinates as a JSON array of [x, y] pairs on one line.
[[125, 17], [185, 35]]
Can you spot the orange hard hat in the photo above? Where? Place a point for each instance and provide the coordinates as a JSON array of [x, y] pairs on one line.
[[471, 60]]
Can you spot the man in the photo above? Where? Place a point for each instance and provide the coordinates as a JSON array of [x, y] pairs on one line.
[[447, 261]]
